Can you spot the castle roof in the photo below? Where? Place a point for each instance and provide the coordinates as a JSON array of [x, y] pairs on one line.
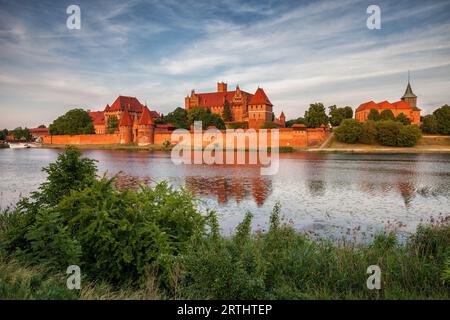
[[260, 97], [125, 119], [383, 105], [409, 93], [282, 115], [218, 98], [97, 117], [123, 102], [146, 119]]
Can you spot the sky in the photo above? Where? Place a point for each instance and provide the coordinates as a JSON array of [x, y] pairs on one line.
[[300, 52]]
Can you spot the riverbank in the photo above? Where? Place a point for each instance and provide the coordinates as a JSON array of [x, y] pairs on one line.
[[427, 144]]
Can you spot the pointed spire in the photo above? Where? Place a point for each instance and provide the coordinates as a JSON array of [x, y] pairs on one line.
[[282, 115], [125, 119], [260, 97], [146, 119], [408, 92]]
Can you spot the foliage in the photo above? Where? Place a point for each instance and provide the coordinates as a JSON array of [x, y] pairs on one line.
[[291, 122], [166, 145], [337, 115], [429, 124], [3, 134], [227, 115], [21, 134], [403, 119], [42, 126], [349, 131], [316, 115], [178, 117], [369, 132], [235, 126], [269, 125], [442, 116], [207, 117], [387, 132], [387, 115], [75, 121], [112, 124], [374, 115], [408, 136]]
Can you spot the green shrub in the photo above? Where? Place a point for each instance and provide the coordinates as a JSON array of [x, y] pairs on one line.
[[349, 131], [408, 136], [387, 115], [374, 115], [387, 132], [369, 132], [403, 119], [442, 116]]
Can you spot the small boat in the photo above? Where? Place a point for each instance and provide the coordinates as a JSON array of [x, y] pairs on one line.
[[19, 145]]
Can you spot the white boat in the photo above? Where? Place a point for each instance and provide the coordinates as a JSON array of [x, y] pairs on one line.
[[18, 145]]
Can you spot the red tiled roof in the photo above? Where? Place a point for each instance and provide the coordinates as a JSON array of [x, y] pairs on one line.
[[146, 119], [385, 105], [165, 125], [39, 131], [260, 97], [298, 125], [218, 98], [125, 119], [154, 115], [97, 117], [123, 102], [401, 105]]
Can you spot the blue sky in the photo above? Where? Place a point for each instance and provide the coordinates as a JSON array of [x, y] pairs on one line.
[[300, 52]]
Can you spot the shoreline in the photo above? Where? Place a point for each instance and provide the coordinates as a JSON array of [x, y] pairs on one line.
[[366, 150]]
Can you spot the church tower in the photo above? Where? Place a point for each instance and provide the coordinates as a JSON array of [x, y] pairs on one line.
[[259, 110], [125, 128], [409, 97], [146, 128]]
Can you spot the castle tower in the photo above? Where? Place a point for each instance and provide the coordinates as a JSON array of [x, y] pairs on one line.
[[125, 128], [146, 128], [259, 110], [409, 97], [282, 119], [222, 87]]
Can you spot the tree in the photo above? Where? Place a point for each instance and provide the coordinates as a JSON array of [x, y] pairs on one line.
[[206, 117], [338, 114], [403, 119], [227, 115], [374, 115], [316, 115], [387, 115], [21, 134], [269, 125], [291, 122], [75, 121], [387, 132], [42, 126], [349, 131], [442, 116], [429, 124], [408, 136], [178, 118], [3, 134], [369, 132], [112, 124]]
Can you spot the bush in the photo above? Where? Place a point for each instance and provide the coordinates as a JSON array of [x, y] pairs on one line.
[[387, 115], [387, 132], [442, 116], [429, 124], [349, 131], [403, 119], [408, 136], [374, 115], [369, 132]]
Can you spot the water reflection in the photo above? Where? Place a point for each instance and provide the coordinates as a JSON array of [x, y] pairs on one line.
[[224, 189]]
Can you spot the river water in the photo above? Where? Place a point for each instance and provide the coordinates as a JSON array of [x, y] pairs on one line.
[[333, 195]]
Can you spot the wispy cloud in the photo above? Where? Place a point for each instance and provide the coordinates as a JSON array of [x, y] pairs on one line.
[[160, 50]]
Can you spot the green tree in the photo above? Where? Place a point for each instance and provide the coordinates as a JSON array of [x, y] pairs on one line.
[[338, 114], [387, 132], [374, 115], [42, 126], [75, 121], [227, 115], [429, 124], [442, 116], [21, 134], [3, 134], [178, 118], [299, 120], [387, 115], [269, 125], [112, 124], [369, 132], [316, 115], [403, 119], [206, 117], [408, 136], [349, 131]]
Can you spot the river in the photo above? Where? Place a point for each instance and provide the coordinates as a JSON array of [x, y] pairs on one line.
[[333, 195]]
